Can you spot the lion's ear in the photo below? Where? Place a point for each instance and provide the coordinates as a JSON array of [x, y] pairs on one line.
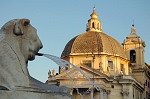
[[19, 26], [25, 22]]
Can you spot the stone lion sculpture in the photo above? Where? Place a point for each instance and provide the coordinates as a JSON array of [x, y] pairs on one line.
[[18, 44]]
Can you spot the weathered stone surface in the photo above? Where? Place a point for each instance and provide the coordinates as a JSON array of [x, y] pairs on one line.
[[31, 95], [18, 44]]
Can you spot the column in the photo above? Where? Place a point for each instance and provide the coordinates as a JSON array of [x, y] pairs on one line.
[[101, 94], [92, 93]]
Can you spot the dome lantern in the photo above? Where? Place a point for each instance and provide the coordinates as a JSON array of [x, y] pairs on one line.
[[93, 23]]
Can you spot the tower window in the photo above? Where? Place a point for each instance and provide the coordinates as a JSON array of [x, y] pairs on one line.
[[133, 56], [93, 25]]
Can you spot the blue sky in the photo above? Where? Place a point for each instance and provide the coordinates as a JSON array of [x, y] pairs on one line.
[[57, 21]]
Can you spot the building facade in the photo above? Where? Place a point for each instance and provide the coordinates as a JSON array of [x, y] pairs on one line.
[[109, 70]]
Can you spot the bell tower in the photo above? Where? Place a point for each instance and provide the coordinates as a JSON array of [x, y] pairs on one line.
[[134, 48]]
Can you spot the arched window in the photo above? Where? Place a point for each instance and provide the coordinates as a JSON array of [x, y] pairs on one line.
[[132, 56], [93, 26]]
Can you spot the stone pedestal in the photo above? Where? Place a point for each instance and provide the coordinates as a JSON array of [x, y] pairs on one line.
[[31, 95]]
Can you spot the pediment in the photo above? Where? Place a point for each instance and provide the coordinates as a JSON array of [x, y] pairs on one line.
[[84, 72]]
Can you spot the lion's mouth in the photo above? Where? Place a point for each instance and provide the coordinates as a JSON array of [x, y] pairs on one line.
[[31, 55], [39, 54]]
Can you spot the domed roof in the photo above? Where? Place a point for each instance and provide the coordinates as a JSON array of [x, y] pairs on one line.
[[93, 42]]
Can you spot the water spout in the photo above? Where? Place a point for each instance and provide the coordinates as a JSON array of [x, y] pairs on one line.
[[39, 54], [63, 63]]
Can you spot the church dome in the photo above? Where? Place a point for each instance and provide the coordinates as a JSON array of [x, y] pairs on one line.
[[94, 40]]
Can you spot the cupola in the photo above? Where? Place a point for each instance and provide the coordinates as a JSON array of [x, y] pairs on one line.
[[94, 23]]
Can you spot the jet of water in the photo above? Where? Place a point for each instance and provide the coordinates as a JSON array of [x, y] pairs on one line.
[[63, 63]]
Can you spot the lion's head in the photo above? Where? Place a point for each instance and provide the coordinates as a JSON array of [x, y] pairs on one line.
[[26, 34], [18, 44]]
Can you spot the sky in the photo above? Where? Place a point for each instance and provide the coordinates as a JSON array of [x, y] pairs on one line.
[[58, 21]]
